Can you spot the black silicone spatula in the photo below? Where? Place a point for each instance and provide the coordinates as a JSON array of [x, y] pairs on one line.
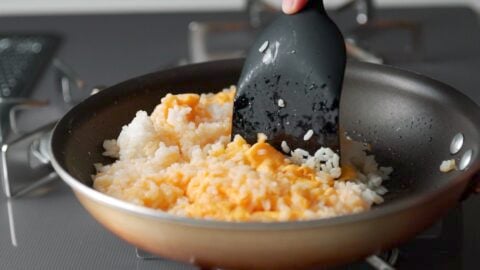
[[291, 82]]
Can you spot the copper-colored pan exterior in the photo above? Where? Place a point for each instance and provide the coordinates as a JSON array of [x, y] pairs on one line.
[[374, 96], [269, 248]]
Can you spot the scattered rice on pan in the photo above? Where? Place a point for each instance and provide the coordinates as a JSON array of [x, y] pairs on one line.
[[180, 160]]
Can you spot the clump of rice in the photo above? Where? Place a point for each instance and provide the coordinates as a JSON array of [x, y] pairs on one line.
[[180, 160], [448, 165]]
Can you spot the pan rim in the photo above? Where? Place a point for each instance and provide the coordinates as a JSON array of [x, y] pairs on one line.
[[380, 212]]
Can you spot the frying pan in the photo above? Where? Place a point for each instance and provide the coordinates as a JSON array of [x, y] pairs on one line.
[[408, 119]]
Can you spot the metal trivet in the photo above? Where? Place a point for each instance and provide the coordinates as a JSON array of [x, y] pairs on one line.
[[367, 25], [26, 158], [381, 261]]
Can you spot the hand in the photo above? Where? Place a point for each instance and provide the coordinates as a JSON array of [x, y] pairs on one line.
[[293, 6]]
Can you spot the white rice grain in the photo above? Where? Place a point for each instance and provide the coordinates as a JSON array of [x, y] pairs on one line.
[[285, 147], [448, 165], [308, 135], [263, 47]]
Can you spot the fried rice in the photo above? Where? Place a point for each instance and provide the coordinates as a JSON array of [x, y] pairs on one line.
[[180, 160]]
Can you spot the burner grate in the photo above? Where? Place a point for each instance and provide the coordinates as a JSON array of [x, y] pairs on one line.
[[381, 261], [26, 158]]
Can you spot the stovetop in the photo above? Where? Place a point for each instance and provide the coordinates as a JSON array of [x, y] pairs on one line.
[[48, 229]]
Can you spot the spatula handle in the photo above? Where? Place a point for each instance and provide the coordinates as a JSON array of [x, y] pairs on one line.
[[315, 5]]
